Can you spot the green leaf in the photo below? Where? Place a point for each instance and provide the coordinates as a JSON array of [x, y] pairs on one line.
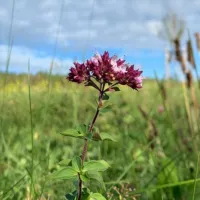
[[83, 129], [106, 136], [65, 173], [96, 176], [116, 89], [103, 136], [96, 196], [73, 133], [71, 196], [64, 162], [105, 96], [84, 178], [169, 171], [95, 165], [96, 137], [90, 83], [89, 136], [106, 109], [76, 163]]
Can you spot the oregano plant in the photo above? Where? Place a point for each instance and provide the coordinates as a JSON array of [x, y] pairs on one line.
[[103, 73]]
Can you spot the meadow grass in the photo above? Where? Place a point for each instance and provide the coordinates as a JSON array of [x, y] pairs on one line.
[[157, 137]]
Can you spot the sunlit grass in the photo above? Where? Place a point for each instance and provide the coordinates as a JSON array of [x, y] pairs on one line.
[[171, 159]]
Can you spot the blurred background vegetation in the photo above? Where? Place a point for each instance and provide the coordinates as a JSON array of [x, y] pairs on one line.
[[156, 155], [157, 134]]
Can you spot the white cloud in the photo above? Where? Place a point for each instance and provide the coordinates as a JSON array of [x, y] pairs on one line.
[[154, 26], [3, 14], [38, 60], [104, 23], [88, 24], [22, 23]]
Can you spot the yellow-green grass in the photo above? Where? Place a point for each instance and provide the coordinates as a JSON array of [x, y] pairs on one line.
[[171, 161]]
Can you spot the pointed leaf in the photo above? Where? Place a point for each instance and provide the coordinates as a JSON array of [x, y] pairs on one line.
[[71, 196], [76, 163], [106, 136], [90, 83], [85, 193], [96, 176], [105, 97], [73, 133], [84, 178], [96, 137], [103, 136], [106, 109], [116, 89], [83, 129], [64, 162], [95, 165], [89, 136], [96, 196], [65, 173]]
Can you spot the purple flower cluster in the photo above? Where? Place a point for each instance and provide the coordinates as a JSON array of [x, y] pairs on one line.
[[106, 69]]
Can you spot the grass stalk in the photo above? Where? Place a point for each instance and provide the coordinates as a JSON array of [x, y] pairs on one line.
[[31, 131], [195, 180]]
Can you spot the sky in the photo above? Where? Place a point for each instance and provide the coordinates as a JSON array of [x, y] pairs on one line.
[[40, 31]]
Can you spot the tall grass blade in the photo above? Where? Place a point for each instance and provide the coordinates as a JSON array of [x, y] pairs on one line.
[[195, 180], [31, 129], [10, 44], [164, 186]]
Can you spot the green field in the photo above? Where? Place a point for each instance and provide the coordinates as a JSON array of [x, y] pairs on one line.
[[157, 133]]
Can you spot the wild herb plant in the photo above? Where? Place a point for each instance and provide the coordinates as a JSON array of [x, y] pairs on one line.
[[103, 73]]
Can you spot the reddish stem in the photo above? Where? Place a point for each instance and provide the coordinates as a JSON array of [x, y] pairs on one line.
[[85, 147]]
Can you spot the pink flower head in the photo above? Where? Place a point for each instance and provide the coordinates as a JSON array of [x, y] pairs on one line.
[[131, 77], [96, 58], [118, 65], [139, 81], [79, 73], [106, 69]]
